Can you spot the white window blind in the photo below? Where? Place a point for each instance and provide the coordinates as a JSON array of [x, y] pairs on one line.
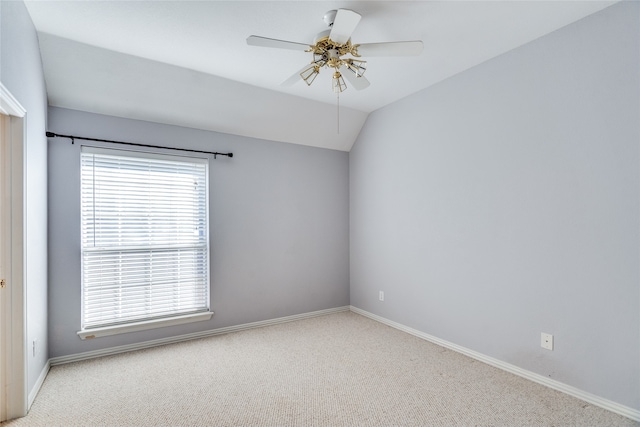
[[145, 246]]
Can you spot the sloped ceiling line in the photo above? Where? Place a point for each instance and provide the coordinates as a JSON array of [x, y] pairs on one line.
[[187, 63]]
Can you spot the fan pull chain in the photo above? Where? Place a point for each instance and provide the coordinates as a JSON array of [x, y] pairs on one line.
[[338, 110]]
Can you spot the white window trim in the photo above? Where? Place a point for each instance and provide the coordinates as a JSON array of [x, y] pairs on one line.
[[142, 154], [145, 325]]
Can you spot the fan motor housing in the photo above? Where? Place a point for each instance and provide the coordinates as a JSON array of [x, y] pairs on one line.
[[329, 17]]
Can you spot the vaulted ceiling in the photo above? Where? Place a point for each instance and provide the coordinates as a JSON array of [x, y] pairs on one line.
[[187, 62]]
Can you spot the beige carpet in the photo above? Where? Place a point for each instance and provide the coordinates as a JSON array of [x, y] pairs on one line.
[[336, 370]]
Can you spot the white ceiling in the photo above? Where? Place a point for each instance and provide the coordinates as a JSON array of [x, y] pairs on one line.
[[187, 62]]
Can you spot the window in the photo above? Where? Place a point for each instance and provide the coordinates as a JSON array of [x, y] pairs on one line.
[[145, 245]]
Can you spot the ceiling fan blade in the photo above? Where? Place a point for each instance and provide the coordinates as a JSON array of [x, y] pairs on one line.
[[358, 83], [280, 44], [409, 48], [343, 25]]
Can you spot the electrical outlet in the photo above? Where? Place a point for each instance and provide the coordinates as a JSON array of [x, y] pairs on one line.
[[546, 341], [381, 296]]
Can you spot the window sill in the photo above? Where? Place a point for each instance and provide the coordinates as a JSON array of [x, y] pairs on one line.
[[142, 326]]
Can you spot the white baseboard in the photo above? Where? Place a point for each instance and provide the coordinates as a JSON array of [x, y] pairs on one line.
[[38, 385], [186, 337], [540, 379]]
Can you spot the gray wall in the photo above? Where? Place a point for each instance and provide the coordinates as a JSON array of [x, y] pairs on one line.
[[504, 202], [21, 73], [279, 227]]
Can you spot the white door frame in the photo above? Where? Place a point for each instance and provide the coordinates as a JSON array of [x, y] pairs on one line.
[[13, 354]]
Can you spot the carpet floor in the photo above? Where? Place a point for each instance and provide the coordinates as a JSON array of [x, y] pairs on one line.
[[341, 369]]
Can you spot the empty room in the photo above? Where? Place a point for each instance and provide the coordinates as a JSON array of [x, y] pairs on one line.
[[320, 213]]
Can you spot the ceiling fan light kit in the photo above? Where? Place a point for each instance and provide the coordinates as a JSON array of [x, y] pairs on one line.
[[356, 66], [331, 45], [310, 74], [337, 83]]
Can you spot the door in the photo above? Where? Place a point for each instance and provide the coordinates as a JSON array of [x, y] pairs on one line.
[[13, 366], [5, 309]]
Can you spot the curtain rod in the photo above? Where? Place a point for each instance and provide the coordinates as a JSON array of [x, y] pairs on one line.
[[73, 138]]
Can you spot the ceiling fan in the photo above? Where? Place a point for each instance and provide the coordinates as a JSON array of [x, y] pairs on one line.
[[332, 48]]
